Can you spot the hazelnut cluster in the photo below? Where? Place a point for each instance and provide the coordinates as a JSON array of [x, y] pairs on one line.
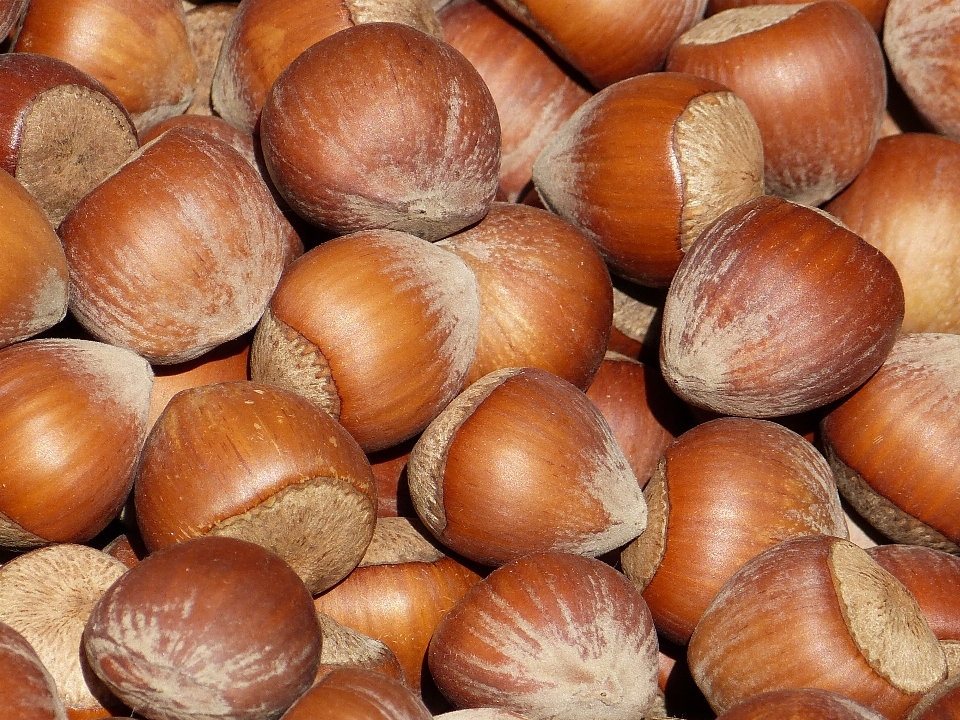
[[479, 359]]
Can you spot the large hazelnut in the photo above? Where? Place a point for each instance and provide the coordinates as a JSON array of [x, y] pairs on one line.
[[643, 166], [814, 78], [522, 461], [178, 251], [893, 447], [208, 628], [383, 126], [260, 463], [73, 417], [820, 323], [549, 635], [379, 328]]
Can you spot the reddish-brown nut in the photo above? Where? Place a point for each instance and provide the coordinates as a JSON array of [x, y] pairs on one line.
[[522, 461], [11, 12], [73, 417], [28, 690], [242, 142], [378, 328], [260, 463], [265, 36], [646, 164], [390, 471], [724, 491], [893, 444], [906, 203], [177, 252], [399, 592], [345, 647], [34, 286], [62, 132], [210, 628], [47, 595], [609, 40], [816, 612], [139, 49], [358, 694], [800, 704], [822, 321], [383, 126], [546, 299], [813, 76], [533, 91], [933, 578], [873, 10], [920, 39], [549, 635], [641, 411]]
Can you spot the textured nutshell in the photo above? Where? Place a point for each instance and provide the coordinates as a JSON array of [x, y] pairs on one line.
[[208, 628], [920, 39], [546, 299], [800, 704], [522, 461], [873, 10], [383, 126], [11, 11], [777, 310], [399, 592], [643, 166], [725, 491], [259, 463], [345, 647], [358, 694], [378, 328], [139, 49], [265, 36], [73, 417], [941, 703], [47, 596], [549, 635], [892, 444], [816, 612], [904, 203], [814, 79], [62, 132], [609, 40], [28, 690], [177, 252], [34, 285], [534, 91]]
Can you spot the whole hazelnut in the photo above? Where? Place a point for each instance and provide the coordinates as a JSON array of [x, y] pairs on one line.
[[212, 627], [522, 461], [643, 166], [814, 78], [178, 251], [378, 328], [892, 444], [819, 325], [383, 126], [257, 462], [545, 293], [549, 635]]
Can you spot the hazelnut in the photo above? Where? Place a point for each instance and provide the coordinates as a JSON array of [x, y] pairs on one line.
[[549, 635], [378, 328], [643, 166], [345, 647], [212, 627], [545, 293], [383, 126], [800, 704], [522, 461], [892, 444], [813, 77], [260, 463], [358, 694], [819, 325], [28, 690]]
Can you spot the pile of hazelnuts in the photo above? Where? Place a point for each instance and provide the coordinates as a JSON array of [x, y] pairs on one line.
[[479, 359]]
